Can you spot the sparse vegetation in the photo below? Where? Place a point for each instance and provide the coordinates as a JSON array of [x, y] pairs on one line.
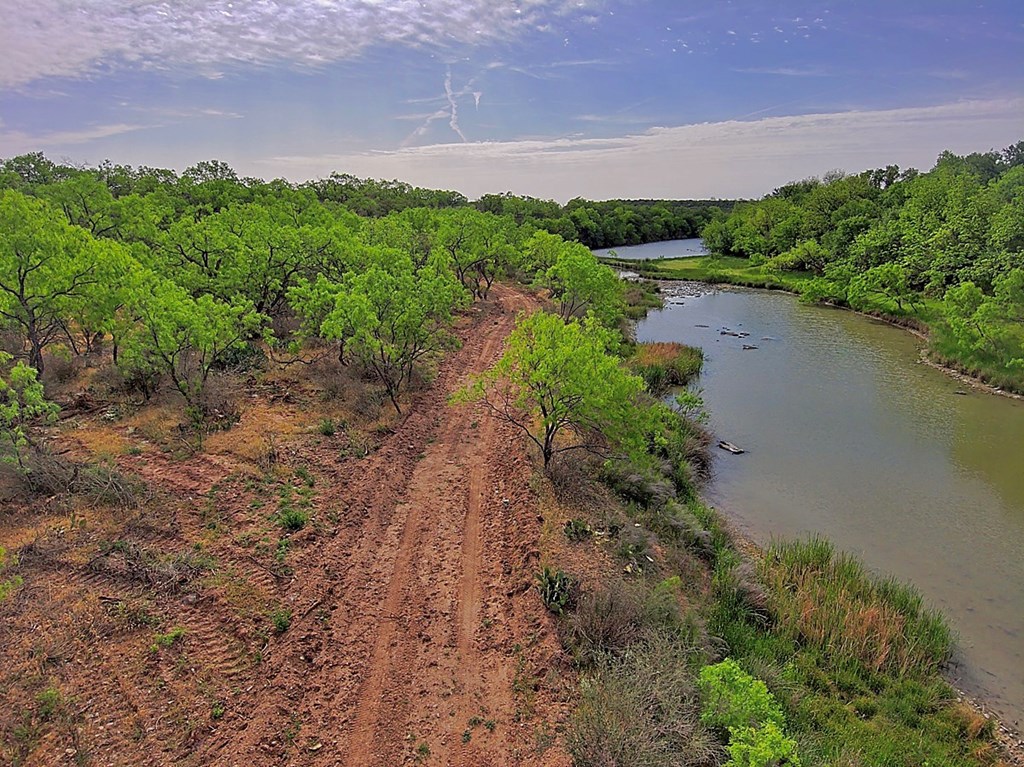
[[168, 639], [557, 590]]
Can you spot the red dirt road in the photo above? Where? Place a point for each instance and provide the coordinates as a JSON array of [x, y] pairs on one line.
[[416, 637]]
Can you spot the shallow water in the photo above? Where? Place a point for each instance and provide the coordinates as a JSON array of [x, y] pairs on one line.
[[850, 436], [666, 249]]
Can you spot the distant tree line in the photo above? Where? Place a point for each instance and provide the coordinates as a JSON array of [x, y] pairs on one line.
[[606, 224]]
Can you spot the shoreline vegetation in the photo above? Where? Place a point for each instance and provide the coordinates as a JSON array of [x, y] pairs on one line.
[[691, 650], [942, 250]]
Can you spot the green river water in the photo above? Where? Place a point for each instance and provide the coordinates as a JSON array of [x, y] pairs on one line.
[[851, 437]]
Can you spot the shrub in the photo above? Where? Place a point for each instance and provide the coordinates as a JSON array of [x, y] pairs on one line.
[[169, 639], [734, 700], [765, 746], [557, 590], [577, 530], [8, 585], [606, 622], [664, 365], [292, 519], [326, 427], [641, 710], [281, 619]]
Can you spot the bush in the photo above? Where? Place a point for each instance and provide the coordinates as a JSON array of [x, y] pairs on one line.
[[281, 619], [664, 365], [606, 622], [765, 746], [557, 590], [641, 710], [577, 530], [734, 700], [292, 519]]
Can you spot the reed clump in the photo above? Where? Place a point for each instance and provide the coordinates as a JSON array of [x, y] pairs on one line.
[[829, 601], [665, 365]]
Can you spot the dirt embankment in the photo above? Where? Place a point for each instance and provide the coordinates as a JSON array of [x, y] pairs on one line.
[[414, 635]]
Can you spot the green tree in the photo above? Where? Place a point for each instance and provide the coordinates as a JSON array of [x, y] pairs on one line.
[[47, 267], [579, 284], [166, 331], [391, 315], [556, 378], [22, 401], [888, 280]]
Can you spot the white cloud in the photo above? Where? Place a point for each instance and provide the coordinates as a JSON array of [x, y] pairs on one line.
[[82, 37], [725, 159], [15, 142]]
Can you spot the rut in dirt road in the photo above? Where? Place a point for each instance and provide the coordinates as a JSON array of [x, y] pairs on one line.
[[414, 622]]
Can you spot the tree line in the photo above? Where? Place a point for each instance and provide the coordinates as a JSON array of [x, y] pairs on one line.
[[604, 224], [946, 246], [176, 276]]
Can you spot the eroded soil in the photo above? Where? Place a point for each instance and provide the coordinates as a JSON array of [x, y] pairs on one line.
[[398, 626]]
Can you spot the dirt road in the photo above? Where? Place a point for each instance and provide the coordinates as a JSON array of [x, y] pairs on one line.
[[416, 637]]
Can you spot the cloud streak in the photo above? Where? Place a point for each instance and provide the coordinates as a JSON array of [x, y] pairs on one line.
[[726, 159], [75, 38]]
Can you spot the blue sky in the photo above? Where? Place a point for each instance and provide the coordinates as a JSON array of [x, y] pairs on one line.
[[554, 98]]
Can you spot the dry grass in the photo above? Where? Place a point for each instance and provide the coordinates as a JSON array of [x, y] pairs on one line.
[[828, 600]]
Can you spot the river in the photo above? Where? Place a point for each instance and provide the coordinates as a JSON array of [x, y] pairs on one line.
[[851, 437], [667, 249]]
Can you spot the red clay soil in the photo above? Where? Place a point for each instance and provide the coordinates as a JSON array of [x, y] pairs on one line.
[[415, 635], [408, 617]]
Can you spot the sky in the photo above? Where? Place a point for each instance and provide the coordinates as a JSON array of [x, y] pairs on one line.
[[551, 98]]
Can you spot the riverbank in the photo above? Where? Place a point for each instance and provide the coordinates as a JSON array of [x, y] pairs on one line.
[[739, 272]]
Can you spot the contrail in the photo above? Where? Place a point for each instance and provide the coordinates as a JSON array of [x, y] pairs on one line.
[[454, 121], [450, 110]]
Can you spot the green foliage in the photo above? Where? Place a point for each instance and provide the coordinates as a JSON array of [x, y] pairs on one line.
[[165, 330], [22, 401], [986, 331], [281, 619], [581, 285], [734, 700], [577, 530], [168, 639], [556, 377], [48, 703], [8, 585], [765, 746], [831, 603], [48, 271], [389, 315], [556, 589]]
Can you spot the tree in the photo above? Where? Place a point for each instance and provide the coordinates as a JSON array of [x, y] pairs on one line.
[[167, 331], [581, 284], [22, 401], [46, 267], [556, 378], [888, 280], [391, 315]]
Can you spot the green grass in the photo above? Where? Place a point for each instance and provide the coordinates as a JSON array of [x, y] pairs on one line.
[[665, 365], [853, 660]]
